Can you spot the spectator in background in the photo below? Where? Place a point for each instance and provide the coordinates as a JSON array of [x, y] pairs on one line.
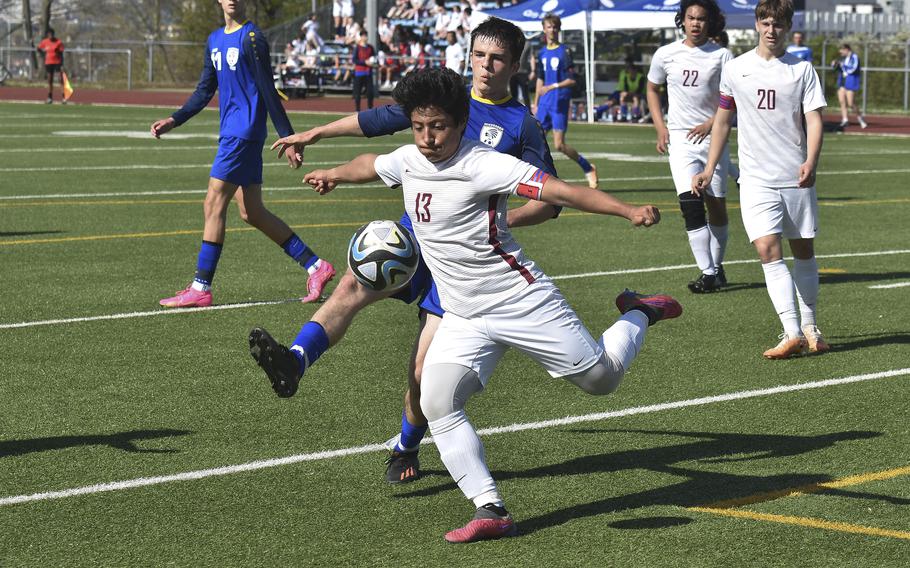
[[631, 89], [352, 33], [385, 31], [401, 10], [848, 81], [310, 29], [343, 13], [52, 50], [454, 54], [441, 16], [797, 48], [364, 58], [466, 21], [722, 39]]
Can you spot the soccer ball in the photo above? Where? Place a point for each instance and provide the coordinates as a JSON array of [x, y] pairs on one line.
[[371, 61], [383, 255]]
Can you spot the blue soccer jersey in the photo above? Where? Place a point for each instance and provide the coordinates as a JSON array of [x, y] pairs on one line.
[[237, 65], [804, 52], [554, 64]]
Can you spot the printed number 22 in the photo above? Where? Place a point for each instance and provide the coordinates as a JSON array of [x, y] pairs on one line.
[[767, 99], [422, 207], [689, 78]]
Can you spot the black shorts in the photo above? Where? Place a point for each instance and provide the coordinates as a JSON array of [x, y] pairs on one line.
[[52, 68]]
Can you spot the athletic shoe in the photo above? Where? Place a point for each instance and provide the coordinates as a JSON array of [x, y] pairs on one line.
[[656, 307], [721, 276], [403, 467], [317, 281], [704, 284], [788, 347], [862, 122], [814, 340], [277, 361], [487, 524], [592, 177], [49, 101], [844, 123], [188, 298]]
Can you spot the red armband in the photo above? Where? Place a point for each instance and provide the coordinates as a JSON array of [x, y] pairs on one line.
[[531, 189], [726, 102]]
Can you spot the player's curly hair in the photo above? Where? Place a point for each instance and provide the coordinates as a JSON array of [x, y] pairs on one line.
[[435, 87], [780, 10], [716, 20], [502, 33]]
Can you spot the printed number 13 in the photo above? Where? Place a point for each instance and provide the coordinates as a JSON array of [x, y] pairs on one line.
[[422, 207]]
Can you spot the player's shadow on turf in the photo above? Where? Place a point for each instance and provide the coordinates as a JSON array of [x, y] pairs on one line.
[[27, 233], [125, 441], [700, 486], [851, 342], [835, 278]]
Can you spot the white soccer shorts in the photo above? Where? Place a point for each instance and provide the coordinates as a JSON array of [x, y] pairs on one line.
[[791, 212], [343, 9], [539, 323], [688, 159]]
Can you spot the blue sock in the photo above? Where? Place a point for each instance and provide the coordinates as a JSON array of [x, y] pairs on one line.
[[585, 164], [297, 249], [206, 262], [410, 435], [311, 342]]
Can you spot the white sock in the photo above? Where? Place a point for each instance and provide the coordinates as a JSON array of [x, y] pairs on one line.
[[200, 287], [700, 243], [315, 266], [623, 340], [462, 453], [719, 236], [780, 289], [805, 278]]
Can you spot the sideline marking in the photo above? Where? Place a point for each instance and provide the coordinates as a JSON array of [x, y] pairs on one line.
[[804, 522], [329, 454], [886, 286], [130, 315]]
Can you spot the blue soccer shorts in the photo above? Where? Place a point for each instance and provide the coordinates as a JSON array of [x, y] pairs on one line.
[[238, 161], [554, 115], [421, 286]]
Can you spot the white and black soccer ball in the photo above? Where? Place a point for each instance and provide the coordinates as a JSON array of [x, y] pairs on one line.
[[383, 255]]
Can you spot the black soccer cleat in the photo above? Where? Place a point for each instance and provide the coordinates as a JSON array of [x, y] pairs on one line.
[[277, 361], [721, 276], [403, 467], [704, 284]]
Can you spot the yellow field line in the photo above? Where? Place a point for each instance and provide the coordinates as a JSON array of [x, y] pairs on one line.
[[810, 488], [804, 522]]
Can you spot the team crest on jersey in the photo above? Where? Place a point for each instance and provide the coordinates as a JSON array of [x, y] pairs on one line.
[[491, 134], [233, 55]]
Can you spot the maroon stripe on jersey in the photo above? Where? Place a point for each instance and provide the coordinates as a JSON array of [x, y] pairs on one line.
[[497, 246]]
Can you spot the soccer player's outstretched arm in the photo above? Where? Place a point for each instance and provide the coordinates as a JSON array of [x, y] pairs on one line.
[[375, 122], [361, 169], [814, 133], [557, 192], [723, 118], [258, 59], [205, 90]]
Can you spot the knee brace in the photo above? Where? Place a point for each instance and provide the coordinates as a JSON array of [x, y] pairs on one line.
[[445, 388], [693, 210]]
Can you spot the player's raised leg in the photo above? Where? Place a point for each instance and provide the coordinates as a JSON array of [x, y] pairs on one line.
[[254, 212]]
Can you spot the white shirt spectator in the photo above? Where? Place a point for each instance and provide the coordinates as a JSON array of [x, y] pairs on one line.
[[455, 58]]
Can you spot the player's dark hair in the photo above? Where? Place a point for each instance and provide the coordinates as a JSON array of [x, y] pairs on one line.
[[435, 87], [716, 20], [502, 33], [780, 10], [845, 46], [552, 18], [50, 31]]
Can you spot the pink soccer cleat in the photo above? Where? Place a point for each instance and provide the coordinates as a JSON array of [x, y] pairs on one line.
[[656, 307], [188, 298], [318, 280], [486, 525]]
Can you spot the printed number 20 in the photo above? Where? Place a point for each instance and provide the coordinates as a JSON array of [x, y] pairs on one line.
[[422, 207], [767, 99]]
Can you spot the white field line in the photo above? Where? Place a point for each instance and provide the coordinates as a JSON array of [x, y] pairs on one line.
[[156, 146], [370, 448], [886, 286], [162, 312]]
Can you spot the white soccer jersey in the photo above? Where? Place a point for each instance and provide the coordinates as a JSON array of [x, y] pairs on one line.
[[771, 98], [692, 75], [458, 210]]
